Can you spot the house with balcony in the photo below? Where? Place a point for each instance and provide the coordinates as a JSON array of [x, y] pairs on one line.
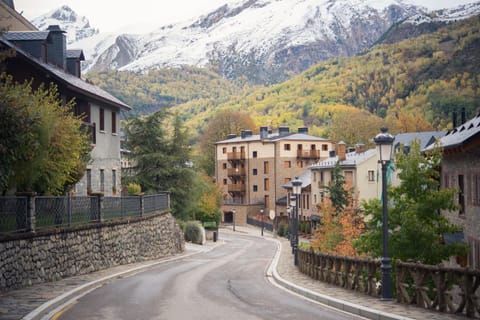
[[252, 169], [358, 166], [460, 170], [42, 56]]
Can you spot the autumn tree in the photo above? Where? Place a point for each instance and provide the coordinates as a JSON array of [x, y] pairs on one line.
[[354, 126], [217, 129], [416, 227], [42, 145]]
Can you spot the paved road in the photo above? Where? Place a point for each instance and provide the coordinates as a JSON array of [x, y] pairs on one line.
[[228, 282]]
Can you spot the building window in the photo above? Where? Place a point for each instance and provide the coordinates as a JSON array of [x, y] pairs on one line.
[[255, 172], [254, 154], [371, 175], [89, 181], [255, 188], [102, 119], [267, 201], [461, 194], [224, 150], [102, 180], [286, 146], [287, 180], [224, 166], [324, 147], [300, 163], [287, 164], [266, 184], [476, 190], [224, 182], [265, 167], [114, 182], [321, 176], [314, 176], [114, 122], [315, 198]]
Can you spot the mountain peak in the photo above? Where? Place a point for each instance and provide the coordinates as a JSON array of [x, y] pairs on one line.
[[77, 27]]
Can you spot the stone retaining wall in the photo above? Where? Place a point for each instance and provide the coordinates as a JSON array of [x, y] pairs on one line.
[[27, 259]]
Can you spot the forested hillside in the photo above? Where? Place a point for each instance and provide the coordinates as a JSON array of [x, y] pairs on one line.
[[414, 84], [149, 92]]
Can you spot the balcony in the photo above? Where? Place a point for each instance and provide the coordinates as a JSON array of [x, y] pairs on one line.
[[308, 154], [236, 172], [235, 156], [236, 188]]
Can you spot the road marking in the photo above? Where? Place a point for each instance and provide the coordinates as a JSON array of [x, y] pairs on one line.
[[57, 315]]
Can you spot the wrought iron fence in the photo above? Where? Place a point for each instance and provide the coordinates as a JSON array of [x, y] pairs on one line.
[[19, 214], [254, 222]]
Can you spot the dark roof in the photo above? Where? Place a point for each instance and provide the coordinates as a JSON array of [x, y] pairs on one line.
[[75, 54], [26, 35], [425, 138], [461, 134], [72, 82]]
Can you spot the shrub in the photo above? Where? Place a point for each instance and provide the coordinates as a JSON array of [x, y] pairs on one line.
[[282, 230], [193, 232], [133, 189]]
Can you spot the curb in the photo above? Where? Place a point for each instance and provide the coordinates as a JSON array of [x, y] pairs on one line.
[[342, 305], [51, 305]]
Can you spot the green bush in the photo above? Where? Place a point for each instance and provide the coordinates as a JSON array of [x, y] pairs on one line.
[[282, 230], [133, 189], [193, 232]]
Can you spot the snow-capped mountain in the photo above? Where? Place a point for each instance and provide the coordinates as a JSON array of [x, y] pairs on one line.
[[263, 40], [77, 28]]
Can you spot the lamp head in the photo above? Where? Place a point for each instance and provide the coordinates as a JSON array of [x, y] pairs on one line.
[[384, 142]]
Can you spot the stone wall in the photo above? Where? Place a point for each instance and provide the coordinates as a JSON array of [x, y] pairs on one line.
[[50, 255]]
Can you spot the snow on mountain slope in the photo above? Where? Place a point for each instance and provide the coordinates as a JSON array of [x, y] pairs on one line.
[[77, 28], [264, 40]]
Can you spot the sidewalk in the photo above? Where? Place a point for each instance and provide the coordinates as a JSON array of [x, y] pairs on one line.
[[38, 300]]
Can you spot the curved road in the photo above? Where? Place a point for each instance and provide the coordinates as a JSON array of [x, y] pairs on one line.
[[225, 283]]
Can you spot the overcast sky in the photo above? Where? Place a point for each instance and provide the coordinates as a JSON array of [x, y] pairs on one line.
[[111, 15]]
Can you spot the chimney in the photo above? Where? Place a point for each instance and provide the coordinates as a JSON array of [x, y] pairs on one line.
[[283, 131], [341, 150], [57, 47], [248, 133], [242, 134], [331, 153], [73, 62], [303, 130], [454, 119], [360, 147], [463, 115], [263, 132], [231, 136]]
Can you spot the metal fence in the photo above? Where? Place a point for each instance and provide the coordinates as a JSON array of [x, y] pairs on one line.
[[257, 223], [28, 213]]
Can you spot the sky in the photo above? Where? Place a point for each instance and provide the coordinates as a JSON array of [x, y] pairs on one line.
[[144, 15]]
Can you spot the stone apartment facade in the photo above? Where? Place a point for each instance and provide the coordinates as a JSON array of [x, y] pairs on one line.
[[252, 169], [43, 57], [460, 170]]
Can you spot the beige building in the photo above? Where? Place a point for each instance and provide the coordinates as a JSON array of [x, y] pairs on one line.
[[359, 168], [252, 169], [11, 20]]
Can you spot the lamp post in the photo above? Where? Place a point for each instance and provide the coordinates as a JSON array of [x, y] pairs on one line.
[[290, 232], [261, 212], [297, 190], [384, 142], [233, 217]]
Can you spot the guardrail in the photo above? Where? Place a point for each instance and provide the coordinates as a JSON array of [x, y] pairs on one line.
[[28, 212]]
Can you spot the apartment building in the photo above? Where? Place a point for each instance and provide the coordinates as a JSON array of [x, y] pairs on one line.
[[252, 169], [358, 166]]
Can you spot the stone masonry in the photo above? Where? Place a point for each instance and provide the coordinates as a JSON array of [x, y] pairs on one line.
[[46, 256]]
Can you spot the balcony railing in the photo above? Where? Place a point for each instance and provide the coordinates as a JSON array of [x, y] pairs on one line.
[[236, 188], [236, 156], [236, 172], [308, 154]]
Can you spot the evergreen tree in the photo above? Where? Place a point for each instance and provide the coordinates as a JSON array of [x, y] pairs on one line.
[[338, 193]]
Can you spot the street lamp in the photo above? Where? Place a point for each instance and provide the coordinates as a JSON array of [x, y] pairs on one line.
[[297, 190], [384, 142], [233, 217], [261, 212], [290, 219]]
